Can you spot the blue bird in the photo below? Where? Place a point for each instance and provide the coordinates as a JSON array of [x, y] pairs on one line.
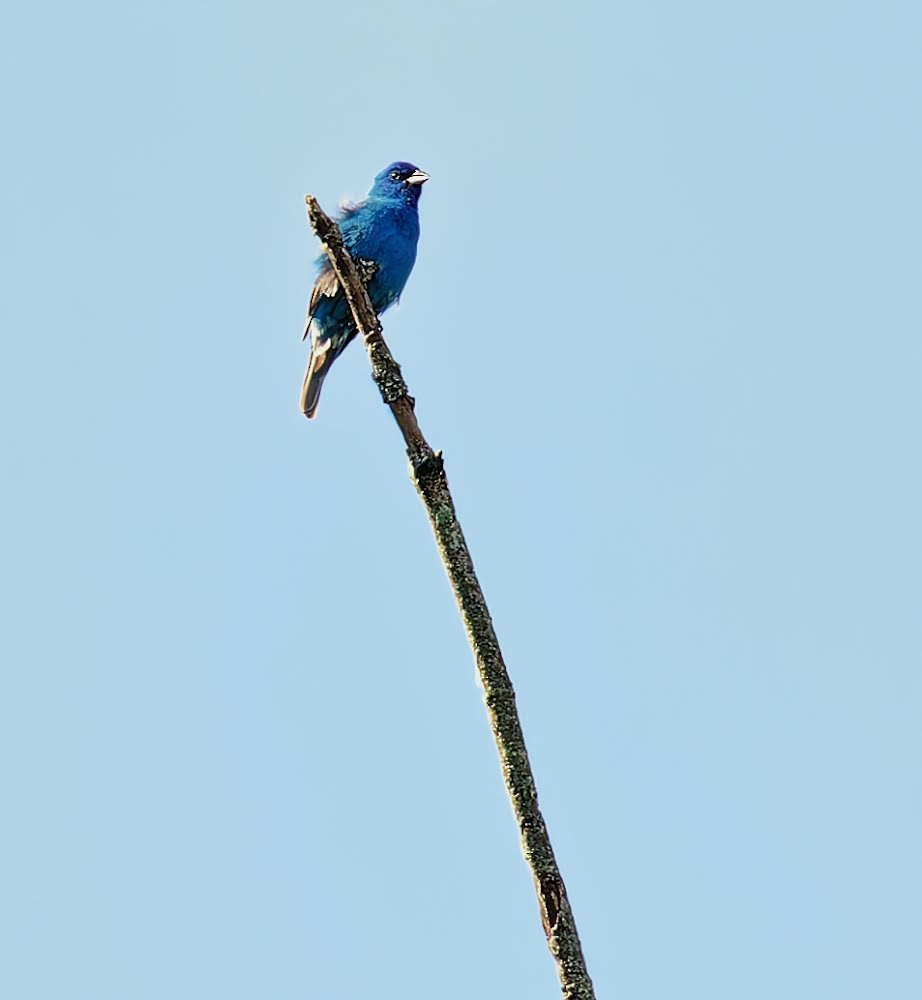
[[382, 230]]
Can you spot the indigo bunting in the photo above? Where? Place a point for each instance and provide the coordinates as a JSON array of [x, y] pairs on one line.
[[383, 231]]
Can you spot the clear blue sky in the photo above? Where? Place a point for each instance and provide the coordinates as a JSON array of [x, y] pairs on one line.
[[665, 324]]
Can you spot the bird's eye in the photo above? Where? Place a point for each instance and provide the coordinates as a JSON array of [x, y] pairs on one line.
[[395, 175]]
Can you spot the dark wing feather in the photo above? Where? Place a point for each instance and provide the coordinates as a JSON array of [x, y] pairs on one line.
[[326, 284]]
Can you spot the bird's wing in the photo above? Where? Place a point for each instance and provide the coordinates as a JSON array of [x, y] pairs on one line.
[[326, 284]]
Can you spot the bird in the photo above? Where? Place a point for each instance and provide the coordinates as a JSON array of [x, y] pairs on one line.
[[380, 234]]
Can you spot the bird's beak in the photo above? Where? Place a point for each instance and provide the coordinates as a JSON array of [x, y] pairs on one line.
[[417, 177]]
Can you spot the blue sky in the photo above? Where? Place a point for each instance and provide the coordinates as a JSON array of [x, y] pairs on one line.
[[665, 326]]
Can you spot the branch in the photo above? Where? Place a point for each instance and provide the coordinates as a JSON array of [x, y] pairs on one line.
[[428, 474]]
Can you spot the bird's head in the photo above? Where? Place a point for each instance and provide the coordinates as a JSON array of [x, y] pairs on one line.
[[400, 180]]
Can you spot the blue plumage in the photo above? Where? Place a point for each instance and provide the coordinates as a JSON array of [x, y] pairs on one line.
[[382, 230]]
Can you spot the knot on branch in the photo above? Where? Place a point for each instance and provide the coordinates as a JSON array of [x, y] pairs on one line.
[[551, 893], [430, 466]]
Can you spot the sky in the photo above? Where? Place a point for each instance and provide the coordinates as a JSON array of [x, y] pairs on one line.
[[664, 325]]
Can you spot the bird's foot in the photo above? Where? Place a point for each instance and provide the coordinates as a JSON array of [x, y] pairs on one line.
[[367, 269]]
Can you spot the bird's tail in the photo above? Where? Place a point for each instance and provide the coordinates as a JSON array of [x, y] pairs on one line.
[[313, 381]]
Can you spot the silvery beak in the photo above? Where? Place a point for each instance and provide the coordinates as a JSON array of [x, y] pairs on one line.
[[417, 177]]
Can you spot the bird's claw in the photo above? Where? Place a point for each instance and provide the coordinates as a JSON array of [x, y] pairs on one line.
[[367, 269]]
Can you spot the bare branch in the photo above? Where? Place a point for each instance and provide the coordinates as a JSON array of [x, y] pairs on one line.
[[428, 474]]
